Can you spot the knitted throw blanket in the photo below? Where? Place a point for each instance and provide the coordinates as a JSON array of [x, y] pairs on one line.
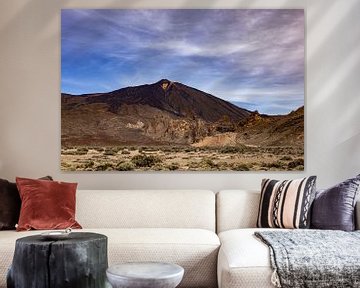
[[313, 258]]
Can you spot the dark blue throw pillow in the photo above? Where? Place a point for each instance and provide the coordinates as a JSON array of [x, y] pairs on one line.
[[334, 208]]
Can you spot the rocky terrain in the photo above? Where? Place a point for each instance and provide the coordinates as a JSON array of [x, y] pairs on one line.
[[169, 115]]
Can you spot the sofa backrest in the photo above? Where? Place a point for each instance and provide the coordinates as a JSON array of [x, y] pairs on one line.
[[236, 209], [239, 209], [146, 209]]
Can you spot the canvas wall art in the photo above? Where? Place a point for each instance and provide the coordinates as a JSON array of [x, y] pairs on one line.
[[192, 89]]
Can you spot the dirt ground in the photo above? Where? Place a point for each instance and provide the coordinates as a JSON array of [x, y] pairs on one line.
[[182, 158]]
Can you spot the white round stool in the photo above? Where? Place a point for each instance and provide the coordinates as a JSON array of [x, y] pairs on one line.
[[145, 275]]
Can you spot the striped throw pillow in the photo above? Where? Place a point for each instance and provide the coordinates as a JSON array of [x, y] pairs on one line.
[[286, 204]]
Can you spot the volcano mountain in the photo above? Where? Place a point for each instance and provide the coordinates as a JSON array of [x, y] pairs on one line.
[[167, 113]]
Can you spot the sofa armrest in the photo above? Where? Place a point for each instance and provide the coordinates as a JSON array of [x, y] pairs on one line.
[[357, 215]]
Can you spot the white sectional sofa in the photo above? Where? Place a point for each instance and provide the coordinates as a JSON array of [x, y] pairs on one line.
[[243, 260], [177, 226], [154, 225]]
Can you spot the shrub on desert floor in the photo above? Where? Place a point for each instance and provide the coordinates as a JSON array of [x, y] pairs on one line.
[[104, 167], [208, 163], [173, 166], [286, 158], [275, 164], [189, 149], [99, 149], [241, 167], [233, 149], [70, 152], [296, 163], [82, 151], [110, 151], [67, 166], [125, 166], [88, 164], [143, 160], [150, 149]]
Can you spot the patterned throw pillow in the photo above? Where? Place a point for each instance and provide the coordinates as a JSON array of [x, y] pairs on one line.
[[286, 204]]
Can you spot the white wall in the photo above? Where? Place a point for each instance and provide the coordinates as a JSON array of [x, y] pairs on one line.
[[30, 94]]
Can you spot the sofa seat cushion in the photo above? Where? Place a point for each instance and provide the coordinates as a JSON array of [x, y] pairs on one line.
[[194, 249], [244, 261]]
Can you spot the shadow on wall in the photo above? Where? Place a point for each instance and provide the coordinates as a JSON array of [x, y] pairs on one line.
[[46, 11], [347, 60], [330, 78]]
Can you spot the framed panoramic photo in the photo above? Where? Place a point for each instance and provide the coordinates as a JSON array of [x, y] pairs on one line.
[[192, 89]]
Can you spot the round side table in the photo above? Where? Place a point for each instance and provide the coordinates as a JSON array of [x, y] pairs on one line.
[[145, 275], [78, 261]]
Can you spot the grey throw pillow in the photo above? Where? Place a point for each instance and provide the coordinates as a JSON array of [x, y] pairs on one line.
[[334, 208]]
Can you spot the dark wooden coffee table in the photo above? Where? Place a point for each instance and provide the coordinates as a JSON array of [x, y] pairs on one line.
[[78, 261]]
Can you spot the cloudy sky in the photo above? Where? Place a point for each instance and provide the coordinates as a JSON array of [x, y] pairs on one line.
[[252, 58]]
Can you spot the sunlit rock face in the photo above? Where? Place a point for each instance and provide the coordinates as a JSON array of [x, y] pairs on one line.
[[167, 112]]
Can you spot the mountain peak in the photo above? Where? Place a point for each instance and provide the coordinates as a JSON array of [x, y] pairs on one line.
[[174, 98], [165, 84], [164, 80]]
